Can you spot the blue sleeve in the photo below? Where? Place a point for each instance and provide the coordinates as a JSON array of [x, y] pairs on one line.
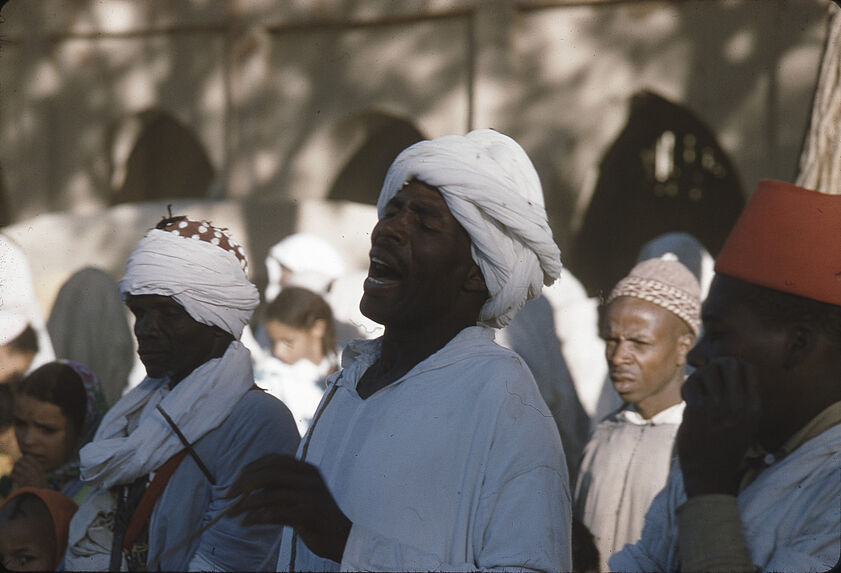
[[259, 425]]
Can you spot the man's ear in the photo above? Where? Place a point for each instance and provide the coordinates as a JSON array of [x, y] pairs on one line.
[[685, 342], [475, 281], [800, 342]]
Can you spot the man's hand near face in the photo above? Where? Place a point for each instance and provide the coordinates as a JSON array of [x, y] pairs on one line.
[[719, 423]]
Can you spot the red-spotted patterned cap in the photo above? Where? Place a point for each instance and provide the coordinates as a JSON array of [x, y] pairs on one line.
[[204, 231]]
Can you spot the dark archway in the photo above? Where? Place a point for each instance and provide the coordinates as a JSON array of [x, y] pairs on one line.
[[665, 172], [361, 177], [166, 161]]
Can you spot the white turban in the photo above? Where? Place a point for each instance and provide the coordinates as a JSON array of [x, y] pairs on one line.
[[493, 190], [314, 263], [19, 306], [207, 280]]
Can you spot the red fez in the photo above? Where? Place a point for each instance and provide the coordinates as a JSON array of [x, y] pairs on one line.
[[789, 239]]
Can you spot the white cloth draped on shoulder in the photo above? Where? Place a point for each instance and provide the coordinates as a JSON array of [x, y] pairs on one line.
[[493, 190], [119, 453], [134, 439]]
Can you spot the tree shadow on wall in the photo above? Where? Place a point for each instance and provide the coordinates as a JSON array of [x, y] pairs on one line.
[[664, 172]]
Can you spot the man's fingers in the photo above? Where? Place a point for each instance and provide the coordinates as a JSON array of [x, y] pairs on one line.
[[293, 517], [277, 473], [270, 461]]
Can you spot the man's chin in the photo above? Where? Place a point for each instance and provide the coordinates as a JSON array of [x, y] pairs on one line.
[[373, 308], [154, 371]]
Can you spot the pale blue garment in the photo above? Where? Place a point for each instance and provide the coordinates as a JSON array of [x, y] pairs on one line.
[[259, 424], [456, 466]]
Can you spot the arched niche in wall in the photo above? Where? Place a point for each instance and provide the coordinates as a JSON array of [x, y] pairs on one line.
[[155, 156], [664, 172], [381, 137]]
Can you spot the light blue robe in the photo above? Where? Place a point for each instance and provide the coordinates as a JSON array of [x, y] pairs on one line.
[[259, 424]]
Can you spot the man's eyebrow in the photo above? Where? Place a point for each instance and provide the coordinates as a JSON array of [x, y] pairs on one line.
[[425, 208]]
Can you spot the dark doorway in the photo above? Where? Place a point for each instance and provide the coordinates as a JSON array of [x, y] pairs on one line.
[[362, 175], [166, 161]]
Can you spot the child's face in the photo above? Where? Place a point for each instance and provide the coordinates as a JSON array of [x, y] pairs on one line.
[[292, 344], [43, 432], [23, 547]]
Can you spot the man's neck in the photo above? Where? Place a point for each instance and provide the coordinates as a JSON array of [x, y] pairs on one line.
[[402, 350]]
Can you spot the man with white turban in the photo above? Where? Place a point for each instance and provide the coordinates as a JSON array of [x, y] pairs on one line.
[[432, 448], [165, 454]]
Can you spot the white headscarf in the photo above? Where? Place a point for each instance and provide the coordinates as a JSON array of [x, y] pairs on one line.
[[314, 262], [208, 281], [494, 192], [19, 306]]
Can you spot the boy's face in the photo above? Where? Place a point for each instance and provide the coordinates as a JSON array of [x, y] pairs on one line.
[[22, 544]]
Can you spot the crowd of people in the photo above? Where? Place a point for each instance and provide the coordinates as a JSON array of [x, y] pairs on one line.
[[443, 428]]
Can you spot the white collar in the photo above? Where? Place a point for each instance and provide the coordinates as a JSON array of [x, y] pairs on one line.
[[671, 415]]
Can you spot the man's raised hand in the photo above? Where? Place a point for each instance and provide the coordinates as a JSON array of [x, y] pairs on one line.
[[281, 490], [719, 423]]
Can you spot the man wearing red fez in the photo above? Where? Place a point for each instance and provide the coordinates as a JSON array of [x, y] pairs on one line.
[[758, 480]]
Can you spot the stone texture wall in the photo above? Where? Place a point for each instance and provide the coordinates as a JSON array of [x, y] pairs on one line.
[[279, 96]]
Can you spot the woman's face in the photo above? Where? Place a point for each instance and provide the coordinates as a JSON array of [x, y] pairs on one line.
[[43, 432]]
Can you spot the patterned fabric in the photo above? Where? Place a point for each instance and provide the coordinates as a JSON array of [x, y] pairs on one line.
[[66, 478], [668, 284], [204, 231]]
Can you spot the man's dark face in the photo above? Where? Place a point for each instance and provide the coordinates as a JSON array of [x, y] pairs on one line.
[[732, 327], [170, 342], [420, 260]]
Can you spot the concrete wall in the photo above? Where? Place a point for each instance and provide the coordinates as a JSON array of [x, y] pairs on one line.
[[281, 94]]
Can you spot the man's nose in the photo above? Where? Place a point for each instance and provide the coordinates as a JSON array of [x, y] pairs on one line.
[[617, 353], [393, 227], [146, 325]]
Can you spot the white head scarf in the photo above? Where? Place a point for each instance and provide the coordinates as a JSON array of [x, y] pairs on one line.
[[494, 192], [314, 262], [19, 306], [206, 279]]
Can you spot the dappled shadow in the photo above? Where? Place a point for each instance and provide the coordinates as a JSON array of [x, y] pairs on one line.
[[665, 172], [265, 93]]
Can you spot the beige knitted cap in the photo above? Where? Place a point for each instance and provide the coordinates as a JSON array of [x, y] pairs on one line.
[[667, 283]]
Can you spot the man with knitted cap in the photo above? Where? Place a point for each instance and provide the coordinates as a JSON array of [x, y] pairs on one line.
[[432, 448], [650, 322], [758, 479], [165, 454]]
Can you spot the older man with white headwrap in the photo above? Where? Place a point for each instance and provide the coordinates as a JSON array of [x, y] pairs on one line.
[[165, 454], [432, 448]]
